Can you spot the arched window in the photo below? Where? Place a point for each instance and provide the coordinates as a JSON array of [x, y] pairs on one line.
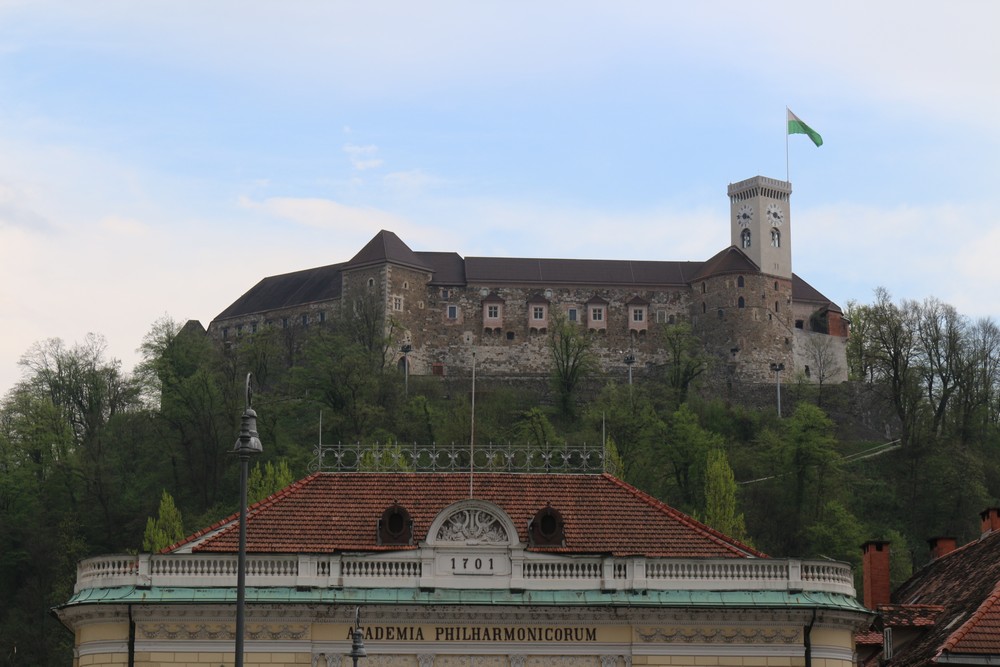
[[745, 238], [775, 238], [703, 309], [739, 281], [703, 288], [741, 303]]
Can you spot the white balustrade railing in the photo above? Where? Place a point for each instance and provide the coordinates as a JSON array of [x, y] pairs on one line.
[[415, 568]]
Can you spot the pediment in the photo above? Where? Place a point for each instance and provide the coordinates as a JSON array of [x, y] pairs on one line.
[[473, 523]]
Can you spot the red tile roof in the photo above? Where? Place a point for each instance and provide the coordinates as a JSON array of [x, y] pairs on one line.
[[334, 512], [955, 601]]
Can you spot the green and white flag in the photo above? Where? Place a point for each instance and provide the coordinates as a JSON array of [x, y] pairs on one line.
[[796, 126]]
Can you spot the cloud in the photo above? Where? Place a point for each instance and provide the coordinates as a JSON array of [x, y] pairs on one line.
[[327, 214], [362, 157], [124, 226]]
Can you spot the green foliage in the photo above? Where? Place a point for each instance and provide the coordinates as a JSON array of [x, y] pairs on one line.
[[268, 479], [572, 359], [166, 529], [720, 497]]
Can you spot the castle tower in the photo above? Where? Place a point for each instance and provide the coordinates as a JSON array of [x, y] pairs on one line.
[[761, 223]]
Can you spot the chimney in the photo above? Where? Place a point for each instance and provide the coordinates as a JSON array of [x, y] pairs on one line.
[[991, 519], [942, 546], [875, 571]]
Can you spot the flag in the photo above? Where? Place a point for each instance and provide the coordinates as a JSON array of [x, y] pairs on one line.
[[796, 126]]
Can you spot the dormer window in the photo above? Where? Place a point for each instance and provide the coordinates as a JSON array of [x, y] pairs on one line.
[[493, 313], [597, 314], [395, 526], [547, 528], [538, 314], [638, 314]]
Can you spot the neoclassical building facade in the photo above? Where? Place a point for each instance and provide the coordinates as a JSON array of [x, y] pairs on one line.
[[449, 569], [745, 304]]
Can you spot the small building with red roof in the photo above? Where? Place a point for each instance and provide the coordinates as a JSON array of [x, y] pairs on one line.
[[440, 569], [947, 613]]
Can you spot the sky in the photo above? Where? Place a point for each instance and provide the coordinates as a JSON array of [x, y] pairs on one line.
[[158, 158]]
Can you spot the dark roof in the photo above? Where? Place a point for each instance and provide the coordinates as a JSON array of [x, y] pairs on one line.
[[730, 260], [333, 512], [552, 272], [448, 267], [386, 248], [285, 291], [956, 598], [803, 292]]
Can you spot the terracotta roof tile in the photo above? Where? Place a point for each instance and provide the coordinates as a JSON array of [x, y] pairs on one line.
[[334, 512]]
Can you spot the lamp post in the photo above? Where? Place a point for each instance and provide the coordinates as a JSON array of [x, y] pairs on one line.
[[777, 368], [629, 360], [247, 443], [406, 349], [357, 640]]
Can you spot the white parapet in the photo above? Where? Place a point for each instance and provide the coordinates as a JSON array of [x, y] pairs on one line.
[[519, 571]]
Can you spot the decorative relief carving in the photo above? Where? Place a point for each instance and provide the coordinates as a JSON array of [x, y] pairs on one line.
[[609, 661], [207, 631], [518, 660], [425, 660], [685, 635], [473, 524]]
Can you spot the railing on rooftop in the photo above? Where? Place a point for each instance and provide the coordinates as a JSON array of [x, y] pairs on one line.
[[415, 569], [489, 457]]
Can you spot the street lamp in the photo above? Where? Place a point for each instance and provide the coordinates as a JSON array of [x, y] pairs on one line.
[[246, 444], [357, 640], [629, 360], [777, 368], [406, 349]]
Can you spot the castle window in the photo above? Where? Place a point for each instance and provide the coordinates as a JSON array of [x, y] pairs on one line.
[[775, 285], [510, 335], [493, 312], [745, 238], [538, 313], [406, 285], [597, 314], [638, 314], [452, 312], [775, 306], [445, 294], [721, 313], [670, 320], [808, 374], [572, 315], [225, 333], [703, 288], [397, 303], [739, 281], [703, 309], [371, 283], [284, 322], [741, 303], [775, 238], [239, 329], [305, 320], [322, 316], [253, 327]]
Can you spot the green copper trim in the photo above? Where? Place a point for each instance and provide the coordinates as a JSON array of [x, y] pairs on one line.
[[409, 596]]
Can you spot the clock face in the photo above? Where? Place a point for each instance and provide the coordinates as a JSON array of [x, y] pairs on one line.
[[744, 216], [774, 214]]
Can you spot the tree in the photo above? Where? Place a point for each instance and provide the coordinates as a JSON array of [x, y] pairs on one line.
[[822, 359], [720, 497], [686, 359], [572, 360], [166, 529], [268, 480], [687, 447]]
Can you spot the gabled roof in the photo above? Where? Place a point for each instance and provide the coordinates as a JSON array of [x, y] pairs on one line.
[[337, 512], [803, 292], [957, 599], [386, 248], [288, 290], [730, 260]]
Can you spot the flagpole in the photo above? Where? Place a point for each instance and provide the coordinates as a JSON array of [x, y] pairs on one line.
[[788, 177]]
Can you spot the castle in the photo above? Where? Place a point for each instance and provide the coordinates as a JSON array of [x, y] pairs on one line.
[[750, 311]]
